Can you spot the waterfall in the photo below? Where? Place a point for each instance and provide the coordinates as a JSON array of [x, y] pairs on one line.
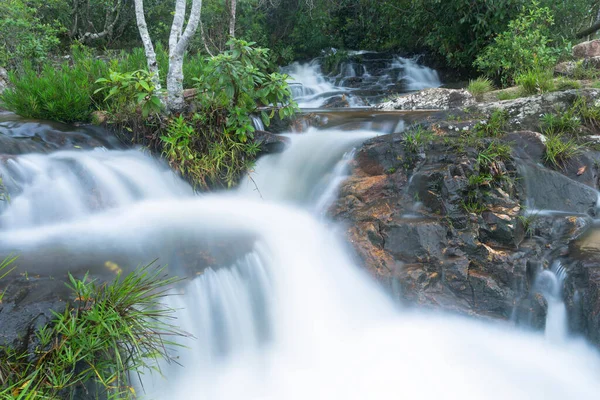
[[417, 77], [288, 314], [550, 284]]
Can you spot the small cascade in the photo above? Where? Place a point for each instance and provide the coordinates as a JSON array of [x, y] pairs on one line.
[[550, 284], [68, 185], [364, 79], [415, 76], [258, 123], [305, 171]]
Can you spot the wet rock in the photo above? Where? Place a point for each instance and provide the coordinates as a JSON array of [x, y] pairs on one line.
[[587, 49], [337, 102], [551, 190], [270, 143], [431, 99]]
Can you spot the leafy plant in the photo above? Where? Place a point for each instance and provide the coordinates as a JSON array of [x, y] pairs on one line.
[[566, 84], [480, 86], [525, 46], [129, 90], [112, 332], [236, 83], [473, 206]]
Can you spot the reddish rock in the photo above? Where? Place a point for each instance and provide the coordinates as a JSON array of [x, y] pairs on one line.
[[587, 49]]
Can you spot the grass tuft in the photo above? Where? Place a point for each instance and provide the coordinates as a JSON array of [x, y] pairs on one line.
[[111, 333], [480, 86], [559, 150], [535, 81]]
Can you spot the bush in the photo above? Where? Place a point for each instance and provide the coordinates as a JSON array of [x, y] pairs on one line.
[[59, 93], [525, 46], [535, 81], [24, 36], [112, 332], [480, 86], [213, 147]]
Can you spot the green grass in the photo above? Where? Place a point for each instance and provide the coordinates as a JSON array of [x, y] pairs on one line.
[[535, 81], [559, 150], [473, 206], [584, 71], [494, 126], [110, 334], [560, 122], [566, 84], [480, 86], [416, 138], [508, 95]]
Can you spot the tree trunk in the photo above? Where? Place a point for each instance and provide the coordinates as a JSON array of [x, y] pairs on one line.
[[177, 48], [147, 41], [232, 19]]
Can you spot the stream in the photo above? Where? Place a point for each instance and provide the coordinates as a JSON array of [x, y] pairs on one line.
[[280, 310]]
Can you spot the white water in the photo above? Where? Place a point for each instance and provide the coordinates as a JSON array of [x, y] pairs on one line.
[[550, 284], [312, 89], [295, 318]]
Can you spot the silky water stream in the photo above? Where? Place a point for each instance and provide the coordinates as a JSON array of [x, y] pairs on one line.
[[290, 315]]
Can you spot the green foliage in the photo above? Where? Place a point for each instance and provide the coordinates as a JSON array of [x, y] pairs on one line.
[[583, 70], [535, 81], [4, 271], [588, 113], [525, 46], [560, 150], [416, 138], [480, 86], [23, 34], [566, 84], [207, 156], [494, 152], [236, 83], [494, 126], [59, 93], [561, 122], [112, 332], [128, 90]]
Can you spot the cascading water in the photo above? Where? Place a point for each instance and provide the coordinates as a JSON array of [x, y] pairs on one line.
[[550, 284], [379, 74], [290, 316]]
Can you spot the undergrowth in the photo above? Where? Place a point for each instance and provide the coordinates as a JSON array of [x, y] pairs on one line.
[[480, 86], [111, 333]]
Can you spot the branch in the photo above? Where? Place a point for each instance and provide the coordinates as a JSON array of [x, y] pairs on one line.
[[588, 31]]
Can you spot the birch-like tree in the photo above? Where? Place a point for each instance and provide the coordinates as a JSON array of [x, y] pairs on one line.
[[179, 40]]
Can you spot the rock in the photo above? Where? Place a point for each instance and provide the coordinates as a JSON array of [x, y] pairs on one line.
[[270, 143], [525, 113], [431, 99], [337, 102], [587, 49], [3, 80], [551, 190], [566, 68]]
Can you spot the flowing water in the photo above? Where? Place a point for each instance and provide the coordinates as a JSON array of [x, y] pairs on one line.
[[361, 82], [288, 315]]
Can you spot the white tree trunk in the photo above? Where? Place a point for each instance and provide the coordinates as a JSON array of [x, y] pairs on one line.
[[147, 41], [177, 48], [232, 20]]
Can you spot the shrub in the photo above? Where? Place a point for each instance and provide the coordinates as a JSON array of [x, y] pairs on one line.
[[535, 81], [480, 86], [60, 93], [524, 46], [112, 332], [128, 90], [560, 150], [24, 36]]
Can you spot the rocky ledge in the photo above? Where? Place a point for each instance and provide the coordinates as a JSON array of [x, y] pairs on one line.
[[458, 221]]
